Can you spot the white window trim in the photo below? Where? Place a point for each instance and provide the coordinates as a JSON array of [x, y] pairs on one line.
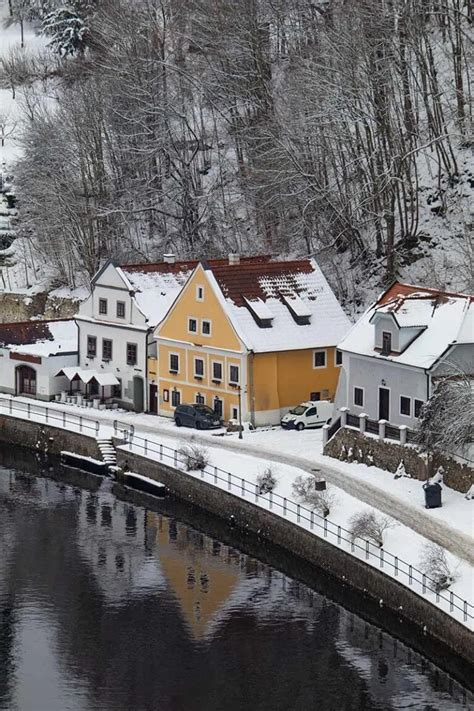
[[234, 382], [198, 287], [124, 309], [196, 332], [400, 406], [169, 363], [232, 408], [218, 362], [336, 364], [206, 335], [359, 387], [196, 375], [320, 367]]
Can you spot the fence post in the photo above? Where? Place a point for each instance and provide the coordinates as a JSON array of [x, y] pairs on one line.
[[29, 410], [382, 424], [325, 435], [256, 493], [465, 611], [64, 419], [161, 452], [325, 526], [298, 513], [343, 411], [270, 499], [451, 601], [46, 413], [423, 583], [403, 434], [97, 427], [80, 423], [215, 475], [381, 557], [311, 519], [338, 535], [410, 574], [175, 459], [243, 487], [115, 428], [202, 472], [396, 566], [363, 422], [367, 550], [284, 506], [10, 406], [145, 446]]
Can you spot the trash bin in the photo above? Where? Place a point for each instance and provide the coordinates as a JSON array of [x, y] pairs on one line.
[[432, 495]]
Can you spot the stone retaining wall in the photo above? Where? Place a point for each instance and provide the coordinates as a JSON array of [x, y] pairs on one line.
[[45, 439], [386, 591], [349, 445]]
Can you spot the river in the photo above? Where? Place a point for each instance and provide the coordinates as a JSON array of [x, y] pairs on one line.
[[110, 605]]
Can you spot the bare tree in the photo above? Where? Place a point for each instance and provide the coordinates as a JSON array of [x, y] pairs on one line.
[[434, 563], [370, 526]]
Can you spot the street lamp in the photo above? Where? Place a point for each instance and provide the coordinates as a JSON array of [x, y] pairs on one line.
[[240, 412]]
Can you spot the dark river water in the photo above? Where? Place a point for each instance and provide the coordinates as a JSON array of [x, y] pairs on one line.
[[108, 605]]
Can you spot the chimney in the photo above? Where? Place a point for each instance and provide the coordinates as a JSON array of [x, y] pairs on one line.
[[234, 259], [169, 258]]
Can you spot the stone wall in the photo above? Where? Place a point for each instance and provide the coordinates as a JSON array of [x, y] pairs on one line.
[[45, 439], [348, 569], [20, 307], [349, 445]]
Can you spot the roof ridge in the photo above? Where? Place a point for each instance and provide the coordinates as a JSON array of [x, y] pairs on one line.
[[431, 290]]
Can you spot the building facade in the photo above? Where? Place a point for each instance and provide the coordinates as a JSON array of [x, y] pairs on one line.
[[396, 352], [250, 333]]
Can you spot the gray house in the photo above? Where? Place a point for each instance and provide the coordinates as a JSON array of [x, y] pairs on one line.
[[393, 355]]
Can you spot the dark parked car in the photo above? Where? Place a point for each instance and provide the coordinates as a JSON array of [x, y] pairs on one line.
[[199, 416]]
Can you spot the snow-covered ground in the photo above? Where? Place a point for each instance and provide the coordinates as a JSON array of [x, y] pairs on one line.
[[400, 540]]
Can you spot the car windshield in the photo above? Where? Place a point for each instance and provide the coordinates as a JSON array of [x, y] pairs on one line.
[[300, 410], [205, 410]]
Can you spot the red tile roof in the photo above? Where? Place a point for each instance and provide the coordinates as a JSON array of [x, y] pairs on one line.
[[402, 290], [189, 265], [22, 333], [247, 279]]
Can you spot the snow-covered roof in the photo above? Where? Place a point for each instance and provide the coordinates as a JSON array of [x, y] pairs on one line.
[[157, 285], [40, 338], [443, 319], [268, 287]]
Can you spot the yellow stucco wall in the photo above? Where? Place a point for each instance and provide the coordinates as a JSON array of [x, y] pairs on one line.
[[222, 345], [152, 368], [284, 379]]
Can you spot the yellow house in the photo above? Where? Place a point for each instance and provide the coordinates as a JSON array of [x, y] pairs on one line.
[[262, 330]]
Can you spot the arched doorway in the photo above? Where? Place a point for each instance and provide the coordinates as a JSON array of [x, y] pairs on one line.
[[138, 394], [25, 380]]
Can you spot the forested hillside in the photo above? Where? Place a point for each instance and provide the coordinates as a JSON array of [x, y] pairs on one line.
[[341, 129]]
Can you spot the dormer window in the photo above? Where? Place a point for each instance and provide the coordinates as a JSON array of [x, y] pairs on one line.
[[386, 343], [261, 313], [298, 309]]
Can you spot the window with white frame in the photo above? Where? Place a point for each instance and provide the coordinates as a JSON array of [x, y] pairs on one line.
[[234, 374], [217, 370], [102, 306], [359, 397], [206, 327], [120, 309], [198, 368], [319, 359], [218, 406], [174, 363], [405, 405], [192, 325], [235, 412], [175, 398], [199, 293]]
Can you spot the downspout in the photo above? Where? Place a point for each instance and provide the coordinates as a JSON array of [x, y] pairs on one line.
[[250, 358], [146, 384]]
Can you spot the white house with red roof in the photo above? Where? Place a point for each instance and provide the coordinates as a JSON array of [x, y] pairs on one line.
[[393, 355]]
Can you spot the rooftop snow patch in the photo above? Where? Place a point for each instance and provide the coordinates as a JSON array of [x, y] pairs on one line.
[[40, 338]]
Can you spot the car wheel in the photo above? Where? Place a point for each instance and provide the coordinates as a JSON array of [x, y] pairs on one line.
[[300, 426], [178, 422]]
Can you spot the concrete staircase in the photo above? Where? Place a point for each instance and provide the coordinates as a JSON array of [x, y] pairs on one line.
[[107, 450]]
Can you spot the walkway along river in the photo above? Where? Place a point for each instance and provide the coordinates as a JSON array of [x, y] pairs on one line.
[[113, 600]]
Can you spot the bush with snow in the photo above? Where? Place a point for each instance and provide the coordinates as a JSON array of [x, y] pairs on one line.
[[305, 492], [369, 526], [434, 564], [266, 481], [195, 457]]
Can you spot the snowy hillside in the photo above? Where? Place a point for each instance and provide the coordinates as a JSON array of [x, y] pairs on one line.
[[320, 129]]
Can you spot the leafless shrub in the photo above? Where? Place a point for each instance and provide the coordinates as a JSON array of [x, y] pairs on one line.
[[320, 501], [195, 457], [369, 526], [266, 481], [434, 564]]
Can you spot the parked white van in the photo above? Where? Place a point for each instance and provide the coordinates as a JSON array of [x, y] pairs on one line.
[[308, 414]]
